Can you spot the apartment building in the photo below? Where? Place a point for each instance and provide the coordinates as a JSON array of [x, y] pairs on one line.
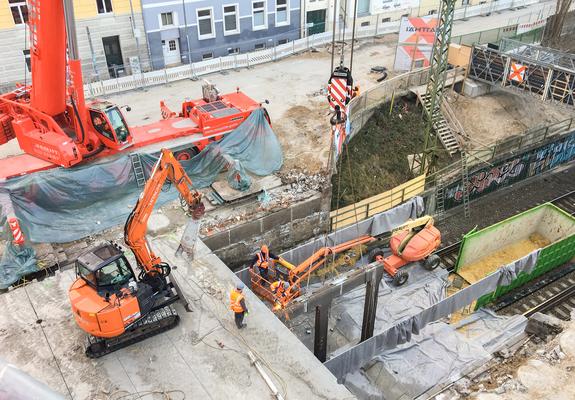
[[110, 34], [373, 12], [180, 30]]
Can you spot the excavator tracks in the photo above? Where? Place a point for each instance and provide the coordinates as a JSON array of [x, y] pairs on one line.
[[156, 322]]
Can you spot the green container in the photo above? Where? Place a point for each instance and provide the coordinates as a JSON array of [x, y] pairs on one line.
[[546, 220]]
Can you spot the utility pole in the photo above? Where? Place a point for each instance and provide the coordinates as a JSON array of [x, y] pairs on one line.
[[436, 83]]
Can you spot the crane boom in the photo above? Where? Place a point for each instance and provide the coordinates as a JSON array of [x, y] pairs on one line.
[[167, 168]]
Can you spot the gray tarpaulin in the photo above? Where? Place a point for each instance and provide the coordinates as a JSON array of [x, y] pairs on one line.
[[62, 205], [423, 289], [440, 354], [358, 355], [376, 225], [15, 263]]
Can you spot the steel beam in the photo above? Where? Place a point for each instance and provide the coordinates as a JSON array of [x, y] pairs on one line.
[[332, 289], [320, 332], [370, 304]]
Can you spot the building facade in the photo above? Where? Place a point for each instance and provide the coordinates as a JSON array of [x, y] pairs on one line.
[[180, 30], [110, 39], [374, 12]]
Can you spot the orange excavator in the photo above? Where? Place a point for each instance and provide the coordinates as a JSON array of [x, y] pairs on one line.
[[112, 303], [413, 241]]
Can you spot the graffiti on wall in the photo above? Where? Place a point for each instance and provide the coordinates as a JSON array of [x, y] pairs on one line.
[[512, 170]]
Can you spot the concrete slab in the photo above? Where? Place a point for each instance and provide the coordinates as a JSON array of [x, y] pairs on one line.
[[204, 357], [228, 194]]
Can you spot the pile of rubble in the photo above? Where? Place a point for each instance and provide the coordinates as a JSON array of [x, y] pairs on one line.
[[543, 365], [298, 182]]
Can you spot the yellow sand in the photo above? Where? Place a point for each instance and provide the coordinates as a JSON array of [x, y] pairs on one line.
[[480, 269]]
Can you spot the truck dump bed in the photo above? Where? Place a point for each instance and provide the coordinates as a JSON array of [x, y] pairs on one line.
[[545, 227]]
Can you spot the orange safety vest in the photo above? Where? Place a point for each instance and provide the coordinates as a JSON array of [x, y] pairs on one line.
[[263, 260], [278, 287], [235, 301]]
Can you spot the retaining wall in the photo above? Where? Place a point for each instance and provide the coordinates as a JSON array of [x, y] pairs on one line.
[[280, 230]]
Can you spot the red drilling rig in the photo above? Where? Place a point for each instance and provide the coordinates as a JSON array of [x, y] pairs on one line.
[[55, 126]]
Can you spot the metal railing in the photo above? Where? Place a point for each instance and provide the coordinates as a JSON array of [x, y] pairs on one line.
[[139, 79], [374, 205]]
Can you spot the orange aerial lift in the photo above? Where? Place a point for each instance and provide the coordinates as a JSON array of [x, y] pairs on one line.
[[411, 242], [295, 275], [109, 301], [55, 126]]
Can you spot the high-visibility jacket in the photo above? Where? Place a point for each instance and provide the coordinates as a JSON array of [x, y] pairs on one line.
[[278, 287], [263, 260], [236, 301]]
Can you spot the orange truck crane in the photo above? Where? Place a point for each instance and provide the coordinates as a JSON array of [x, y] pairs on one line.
[[55, 126], [411, 242], [109, 301]]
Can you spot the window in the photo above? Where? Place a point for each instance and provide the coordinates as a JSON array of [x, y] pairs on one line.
[[464, 2], [233, 50], [260, 46], [384, 20], [205, 23], [431, 12], [172, 45], [27, 58], [19, 11], [115, 273], [405, 15], [167, 18], [259, 16], [282, 14], [363, 7], [104, 6], [283, 41], [231, 23], [207, 56], [366, 23]]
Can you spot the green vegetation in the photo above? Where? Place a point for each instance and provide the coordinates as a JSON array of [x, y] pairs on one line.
[[376, 158]]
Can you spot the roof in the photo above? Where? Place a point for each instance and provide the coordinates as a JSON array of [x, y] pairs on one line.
[[99, 256]]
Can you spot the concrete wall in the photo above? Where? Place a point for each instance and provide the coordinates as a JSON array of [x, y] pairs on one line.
[[280, 230]]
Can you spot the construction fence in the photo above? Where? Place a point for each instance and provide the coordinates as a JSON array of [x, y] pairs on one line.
[[129, 77]]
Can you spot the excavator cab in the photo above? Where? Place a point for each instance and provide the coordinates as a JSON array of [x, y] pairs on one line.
[[105, 268], [110, 125]]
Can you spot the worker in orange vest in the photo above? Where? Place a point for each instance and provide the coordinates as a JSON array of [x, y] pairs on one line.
[[238, 305], [263, 260], [279, 288]]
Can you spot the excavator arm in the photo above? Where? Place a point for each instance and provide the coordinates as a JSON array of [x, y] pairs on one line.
[[167, 168]]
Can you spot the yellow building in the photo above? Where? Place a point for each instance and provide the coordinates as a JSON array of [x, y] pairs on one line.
[[110, 39]]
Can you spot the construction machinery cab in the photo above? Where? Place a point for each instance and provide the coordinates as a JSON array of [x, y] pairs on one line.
[[105, 268], [110, 125]]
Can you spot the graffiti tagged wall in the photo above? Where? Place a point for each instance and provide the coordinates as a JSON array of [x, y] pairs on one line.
[[512, 170]]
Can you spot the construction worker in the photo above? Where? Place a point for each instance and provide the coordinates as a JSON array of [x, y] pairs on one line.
[[238, 305], [263, 260], [279, 288]]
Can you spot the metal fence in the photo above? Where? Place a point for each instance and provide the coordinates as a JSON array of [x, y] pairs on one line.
[[136, 79]]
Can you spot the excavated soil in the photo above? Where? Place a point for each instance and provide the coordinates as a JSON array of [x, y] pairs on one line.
[[480, 269]]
